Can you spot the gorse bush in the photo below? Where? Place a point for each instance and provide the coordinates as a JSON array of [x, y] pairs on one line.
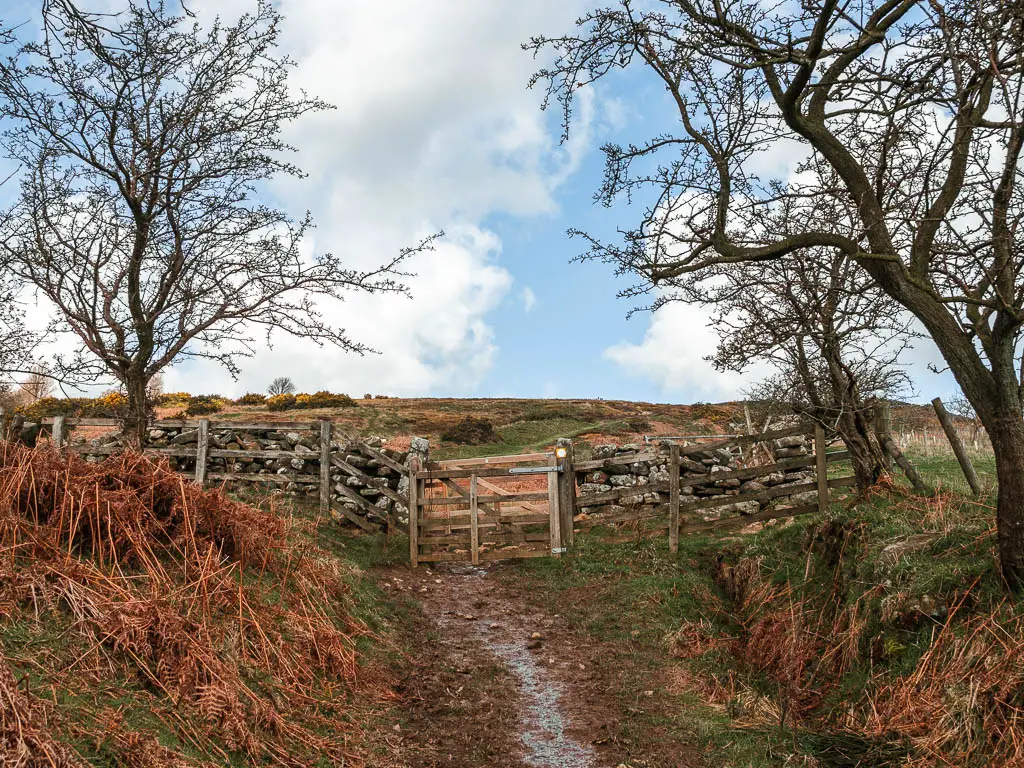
[[322, 399], [251, 398], [202, 405], [112, 405], [173, 400], [285, 402]]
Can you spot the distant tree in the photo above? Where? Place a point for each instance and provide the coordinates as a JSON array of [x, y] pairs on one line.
[[282, 385], [143, 138], [917, 109], [37, 385], [155, 387]]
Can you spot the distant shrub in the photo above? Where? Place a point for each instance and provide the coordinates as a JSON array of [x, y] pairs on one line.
[[112, 405], [324, 399], [367, 396], [173, 399], [471, 431], [285, 402], [203, 405], [251, 398], [53, 406], [109, 405]]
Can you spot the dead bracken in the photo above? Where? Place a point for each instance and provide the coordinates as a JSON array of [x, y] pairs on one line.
[[223, 623]]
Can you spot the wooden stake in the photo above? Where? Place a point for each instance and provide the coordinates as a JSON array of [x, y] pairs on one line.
[[202, 447], [904, 463], [554, 517], [673, 499], [474, 522], [821, 467], [566, 492], [326, 431], [414, 506], [57, 435], [958, 446]]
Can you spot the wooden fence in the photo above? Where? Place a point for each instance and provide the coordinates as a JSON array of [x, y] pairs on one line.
[[463, 509], [458, 514]]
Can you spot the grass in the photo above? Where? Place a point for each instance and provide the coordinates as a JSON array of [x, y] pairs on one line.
[[898, 563], [518, 437]]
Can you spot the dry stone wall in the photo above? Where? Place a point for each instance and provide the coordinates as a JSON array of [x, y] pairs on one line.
[[294, 469], [625, 467]]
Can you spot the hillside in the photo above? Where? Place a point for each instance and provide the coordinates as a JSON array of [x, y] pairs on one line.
[[146, 622], [526, 424]]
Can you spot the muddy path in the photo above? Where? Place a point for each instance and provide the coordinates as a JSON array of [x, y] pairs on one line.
[[497, 679]]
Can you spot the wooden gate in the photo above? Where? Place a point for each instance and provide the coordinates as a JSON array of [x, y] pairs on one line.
[[495, 508]]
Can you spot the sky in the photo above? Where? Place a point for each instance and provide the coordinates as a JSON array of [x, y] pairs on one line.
[[435, 129]]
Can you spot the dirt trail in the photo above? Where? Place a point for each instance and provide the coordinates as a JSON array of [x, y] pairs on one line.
[[473, 606], [494, 679], [497, 679]]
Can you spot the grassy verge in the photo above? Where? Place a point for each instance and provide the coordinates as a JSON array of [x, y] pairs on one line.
[[870, 637]]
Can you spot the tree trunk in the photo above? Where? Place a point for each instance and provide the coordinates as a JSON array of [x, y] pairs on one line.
[[136, 422], [1006, 432], [863, 458]]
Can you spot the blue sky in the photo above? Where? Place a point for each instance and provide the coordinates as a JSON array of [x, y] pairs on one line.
[[435, 130]]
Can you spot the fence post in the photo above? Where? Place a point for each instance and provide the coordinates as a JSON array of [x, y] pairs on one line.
[[474, 521], [566, 491], [202, 447], [414, 512], [554, 514], [673, 498], [57, 435], [958, 446], [326, 431], [821, 466]]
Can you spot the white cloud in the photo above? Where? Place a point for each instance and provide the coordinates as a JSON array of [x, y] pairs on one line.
[[529, 299], [434, 129], [672, 353]]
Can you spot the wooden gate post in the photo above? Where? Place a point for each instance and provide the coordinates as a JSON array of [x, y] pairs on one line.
[[474, 521], [202, 448], [57, 435], [414, 512], [326, 431], [673, 498], [821, 467], [554, 516], [566, 490]]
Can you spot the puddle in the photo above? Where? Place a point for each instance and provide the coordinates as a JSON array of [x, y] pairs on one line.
[[543, 726]]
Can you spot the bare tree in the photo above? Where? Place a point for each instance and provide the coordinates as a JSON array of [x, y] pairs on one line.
[[37, 385], [832, 339], [143, 138], [915, 106], [17, 345], [282, 385]]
